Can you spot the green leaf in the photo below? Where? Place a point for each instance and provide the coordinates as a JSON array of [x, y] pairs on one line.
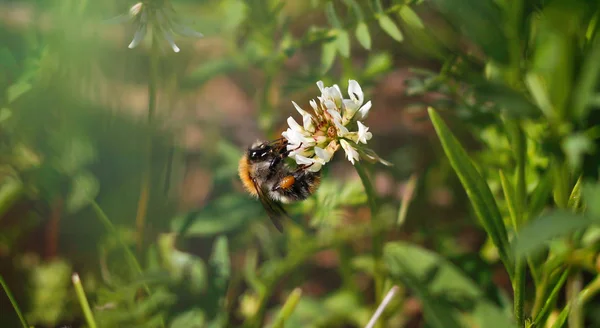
[[481, 21], [510, 101], [449, 298], [332, 16], [343, 43], [356, 8], [77, 153], [575, 146], [193, 318], [388, 25], [587, 81], [288, 308], [540, 195], [182, 265], [16, 90], [5, 114], [328, 56], [410, 17], [11, 190], [377, 63], [558, 29], [555, 224], [220, 264], [591, 195], [84, 189], [363, 36], [222, 215], [476, 187]]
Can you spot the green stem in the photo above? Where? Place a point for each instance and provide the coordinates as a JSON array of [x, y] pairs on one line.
[[142, 209], [519, 146], [377, 237], [112, 230], [575, 293], [85, 306], [540, 315], [12, 300], [288, 308], [278, 269]]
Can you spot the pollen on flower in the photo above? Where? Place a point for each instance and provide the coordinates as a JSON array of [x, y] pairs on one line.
[[334, 122]]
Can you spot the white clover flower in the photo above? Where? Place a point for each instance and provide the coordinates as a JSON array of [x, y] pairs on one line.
[[329, 126], [158, 16]]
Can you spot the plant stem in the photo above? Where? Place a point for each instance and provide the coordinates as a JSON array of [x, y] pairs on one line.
[[288, 308], [377, 237], [12, 300], [382, 306], [85, 306], [519, 146], [142, 209], [574, 292], [111, 229], [299, 255]]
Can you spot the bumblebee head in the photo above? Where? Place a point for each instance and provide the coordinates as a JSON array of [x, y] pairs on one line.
[[260, 151]]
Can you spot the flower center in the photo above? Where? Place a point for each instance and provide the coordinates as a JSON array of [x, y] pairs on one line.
[[331, 132]]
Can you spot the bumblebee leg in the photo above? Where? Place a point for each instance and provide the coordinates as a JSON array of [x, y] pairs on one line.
[[287, 152], [303, 167]]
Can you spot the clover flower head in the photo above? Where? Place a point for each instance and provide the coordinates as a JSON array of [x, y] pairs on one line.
[[334, 122], [160, 17]]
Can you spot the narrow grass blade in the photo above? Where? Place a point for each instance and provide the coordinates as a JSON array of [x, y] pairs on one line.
[[476, 187], [407, 197], [12, 300], [551, 300], [85, 306], [288, 308], [386, 300], [509, 195]]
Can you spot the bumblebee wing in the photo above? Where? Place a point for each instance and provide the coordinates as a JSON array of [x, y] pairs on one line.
[[274, 210]]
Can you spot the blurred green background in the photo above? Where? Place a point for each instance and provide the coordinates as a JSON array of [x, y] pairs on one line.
[[78, 150]]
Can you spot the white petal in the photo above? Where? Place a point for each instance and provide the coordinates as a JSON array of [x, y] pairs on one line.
[[293, 124], [323, 154], [319, 139], [363, 111], [320, 85], [300, 110], [313, 104], [139, 35], [295, 138], [355, 92], [330, 105], [315, 167], [169, 39], [351, 153], [335, 115], [351, 109], [307, 120], [336, 94], [301, 160], [363, 133]]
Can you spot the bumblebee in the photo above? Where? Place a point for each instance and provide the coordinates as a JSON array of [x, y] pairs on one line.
[[265, 175]]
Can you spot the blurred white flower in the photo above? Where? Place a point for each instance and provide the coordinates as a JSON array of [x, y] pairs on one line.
[[322, 132], [162, 20]]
